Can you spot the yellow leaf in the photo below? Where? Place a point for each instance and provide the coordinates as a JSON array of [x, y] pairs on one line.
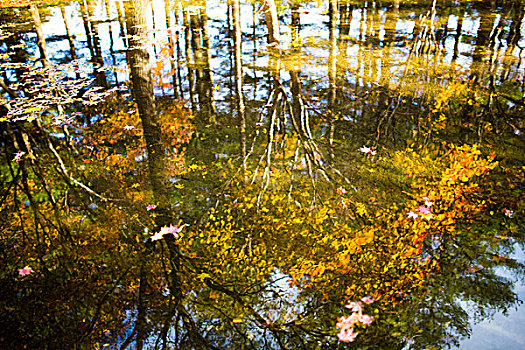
[[203, 275]]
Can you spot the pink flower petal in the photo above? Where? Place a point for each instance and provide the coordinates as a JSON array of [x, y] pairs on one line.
[[354, 306], [423, 210], [367, 300], [25, 271], [347, 335], [366, 319]]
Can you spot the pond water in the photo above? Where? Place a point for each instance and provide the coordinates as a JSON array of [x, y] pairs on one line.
[[259, 175]]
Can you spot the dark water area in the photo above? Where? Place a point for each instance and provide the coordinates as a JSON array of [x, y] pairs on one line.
[[260, 175]]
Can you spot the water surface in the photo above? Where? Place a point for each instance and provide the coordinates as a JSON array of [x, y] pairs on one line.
[[177, 175]]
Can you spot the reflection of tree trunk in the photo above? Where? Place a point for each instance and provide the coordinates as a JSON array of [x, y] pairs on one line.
[[296, 21], [386, 103], [332, 70], [142, 88], [208, 86], [40, 34], [457, 36], [360, 48], [272, 21], [482, 42], [300, 113], [98, 61], [68, 33], [483, 34], [375, 62], [171, 45], [111, 42], [139, 63], [121, 22], [345, 19], [87, 27], [367, 64], [514, 35], [189, 63], [231, 55], [512, 39], [178, 33], [389, 40], [201, 49], [254, 43], [238, 78]]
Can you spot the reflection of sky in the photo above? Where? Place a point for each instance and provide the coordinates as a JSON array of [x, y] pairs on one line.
[[502, 332]]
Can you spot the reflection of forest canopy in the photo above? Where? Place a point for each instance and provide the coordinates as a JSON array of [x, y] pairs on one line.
[[283, 214]]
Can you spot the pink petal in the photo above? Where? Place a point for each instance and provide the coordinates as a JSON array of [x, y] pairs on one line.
[[25, 271], [367, 300], [423, 210], [366, 319], [347, 335]]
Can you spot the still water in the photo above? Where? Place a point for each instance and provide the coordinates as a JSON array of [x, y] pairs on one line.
[[260, 175]]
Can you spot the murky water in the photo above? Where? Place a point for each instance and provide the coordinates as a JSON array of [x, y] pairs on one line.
[[221, 175]]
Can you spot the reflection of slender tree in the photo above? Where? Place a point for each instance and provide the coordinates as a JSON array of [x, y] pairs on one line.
[[485, 67], [374, 42], [274, 108], [387, 104], [97, 59], [332, 70], [457, 35], [41, 42], [189, 62], [200, 44], [391, 16], [254, 43], [296, 21], [482, 43], [173, 46], [424, 34], [367, 68], [121, 21], [272, 22], [345, 10], [360, 59], [512, 39], [369, 35], [68, 32], [231, 54], [178, 34], [87, 27], [111, 40], [237, 39]]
